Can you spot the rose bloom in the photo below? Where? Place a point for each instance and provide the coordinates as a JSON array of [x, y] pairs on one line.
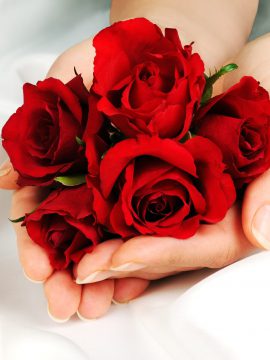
[[40, 138], [65, 225], [161, 187], [146, 82], [238, 121]]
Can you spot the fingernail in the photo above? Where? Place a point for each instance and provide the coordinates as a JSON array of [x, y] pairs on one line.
[[33, 281], [95, 277], [60, 321], [119, 303], [5, 168], [261, 226], [84, 318], [131, 266]]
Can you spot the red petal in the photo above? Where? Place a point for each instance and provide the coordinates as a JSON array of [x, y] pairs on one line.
[[117, 158]]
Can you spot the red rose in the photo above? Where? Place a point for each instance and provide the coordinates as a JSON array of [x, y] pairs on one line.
[[160, 187], [238, 121], [146, 81], [65, 225], [40, 138]]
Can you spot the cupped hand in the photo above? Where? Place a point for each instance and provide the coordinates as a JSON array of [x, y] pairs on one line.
[[213, 246], [147, 257], [64, 296]]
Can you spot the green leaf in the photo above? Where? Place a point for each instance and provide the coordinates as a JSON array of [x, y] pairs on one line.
[[210, 80], [80, 141], [71, 180], [20, 219], [227, 68], [207, 94]]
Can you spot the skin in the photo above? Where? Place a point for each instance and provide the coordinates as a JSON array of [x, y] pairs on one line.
[[214, 246]]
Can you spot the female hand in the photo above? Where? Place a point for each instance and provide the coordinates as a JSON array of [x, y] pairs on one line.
[[64, 296], [213, 246]]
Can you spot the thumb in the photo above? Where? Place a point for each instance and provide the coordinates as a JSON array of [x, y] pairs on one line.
[[8, 176], [256, 211]]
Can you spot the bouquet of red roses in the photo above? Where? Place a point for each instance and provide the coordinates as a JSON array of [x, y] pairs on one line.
[[146, 151]]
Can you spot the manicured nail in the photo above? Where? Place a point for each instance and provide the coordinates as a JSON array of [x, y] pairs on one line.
[[119, 303], [95, 277], [5, 168], [261, 226], [131, 266], [84, 318], [33, 281], [60, 321]]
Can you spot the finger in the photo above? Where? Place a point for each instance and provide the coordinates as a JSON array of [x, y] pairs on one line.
[[8, 176], [63, 296], [33, 258], [253, 60], [213, 246], [95, 266], [96, 299], [256, 211], [127, 289], [153, 273]]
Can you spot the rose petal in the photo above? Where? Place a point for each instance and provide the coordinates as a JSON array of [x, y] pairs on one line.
[[113, 163]]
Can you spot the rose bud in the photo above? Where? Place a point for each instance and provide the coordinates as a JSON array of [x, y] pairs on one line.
[[65, 225], [161, 187], [146, 82], [238, 121], [40, 138]]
